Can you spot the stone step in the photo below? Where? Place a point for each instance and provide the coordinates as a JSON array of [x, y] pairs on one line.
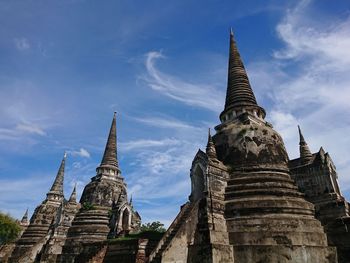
[[91, 215], [257, 202], [92, 219], [261, 185], [259, 172], [287, 238], [256, 192], [259, 178], [267, 210], [266, 224]]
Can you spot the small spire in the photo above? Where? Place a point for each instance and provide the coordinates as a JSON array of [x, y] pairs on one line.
[[305, 153], [25, 218], [57, 186], [73, 196], [239, 93], [301, 137], [210, 150], [110, 154], [130, 202]]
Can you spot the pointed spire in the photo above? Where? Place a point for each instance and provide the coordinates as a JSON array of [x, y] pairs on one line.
[[73, 196], [305, 153], [210, 150], [57, 186], [25, 218], [130, 202], [110, 154], [239, 93]]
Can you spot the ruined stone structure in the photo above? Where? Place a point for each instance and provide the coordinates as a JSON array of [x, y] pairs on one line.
[[59, 229], [58, 232], [29, 246], [316, 176], [105, 210], [244, 205]]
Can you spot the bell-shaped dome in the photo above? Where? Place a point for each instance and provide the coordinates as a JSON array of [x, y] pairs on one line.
[[246, 144]]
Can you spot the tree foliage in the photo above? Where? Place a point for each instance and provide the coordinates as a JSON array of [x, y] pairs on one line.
[[9, 229], [154, 226]]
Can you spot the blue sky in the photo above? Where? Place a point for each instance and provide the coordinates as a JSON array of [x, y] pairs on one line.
[[66, 66]]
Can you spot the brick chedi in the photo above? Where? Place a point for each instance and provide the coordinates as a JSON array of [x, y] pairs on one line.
[[29, 246], [316, 176], [244, 206], [105, 210], [58, 232], [267, 218]]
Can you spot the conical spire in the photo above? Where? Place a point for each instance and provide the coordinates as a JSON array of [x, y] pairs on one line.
[[210, 150], [25, 218], [57, 186], [110, 154], [239, 93], [305, 153], [73, 196]]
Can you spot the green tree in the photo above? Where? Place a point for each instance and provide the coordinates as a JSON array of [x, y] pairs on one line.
[[154, 226], [9, 229]]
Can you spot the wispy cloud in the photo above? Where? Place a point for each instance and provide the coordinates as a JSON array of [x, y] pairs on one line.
[[30, 128], [194, 94], [165, 172], [316, 93], [21, 129], [22, 43], [81, 153], [165, 123], [143, 143]]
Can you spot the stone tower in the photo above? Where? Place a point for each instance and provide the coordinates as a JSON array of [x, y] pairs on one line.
[[105, 209], [267, 218], [316, 176], [244, 206], [29, 246], [58, 230]]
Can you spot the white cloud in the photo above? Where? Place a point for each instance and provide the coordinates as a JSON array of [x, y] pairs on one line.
[[315, 93], [22, 43], [142, 143], [165, 123], [30, 128], [20, 131], [198, 94], [81, 152], [324, 42]]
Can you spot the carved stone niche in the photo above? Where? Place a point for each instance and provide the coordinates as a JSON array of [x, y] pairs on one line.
[[198, 181]]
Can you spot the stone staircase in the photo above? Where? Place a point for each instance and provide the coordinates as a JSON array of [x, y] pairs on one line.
[[156, 255]]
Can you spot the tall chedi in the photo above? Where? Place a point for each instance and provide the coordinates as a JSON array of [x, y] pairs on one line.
[[267, 218], [29, 246], [244, 207], [93, 221]]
